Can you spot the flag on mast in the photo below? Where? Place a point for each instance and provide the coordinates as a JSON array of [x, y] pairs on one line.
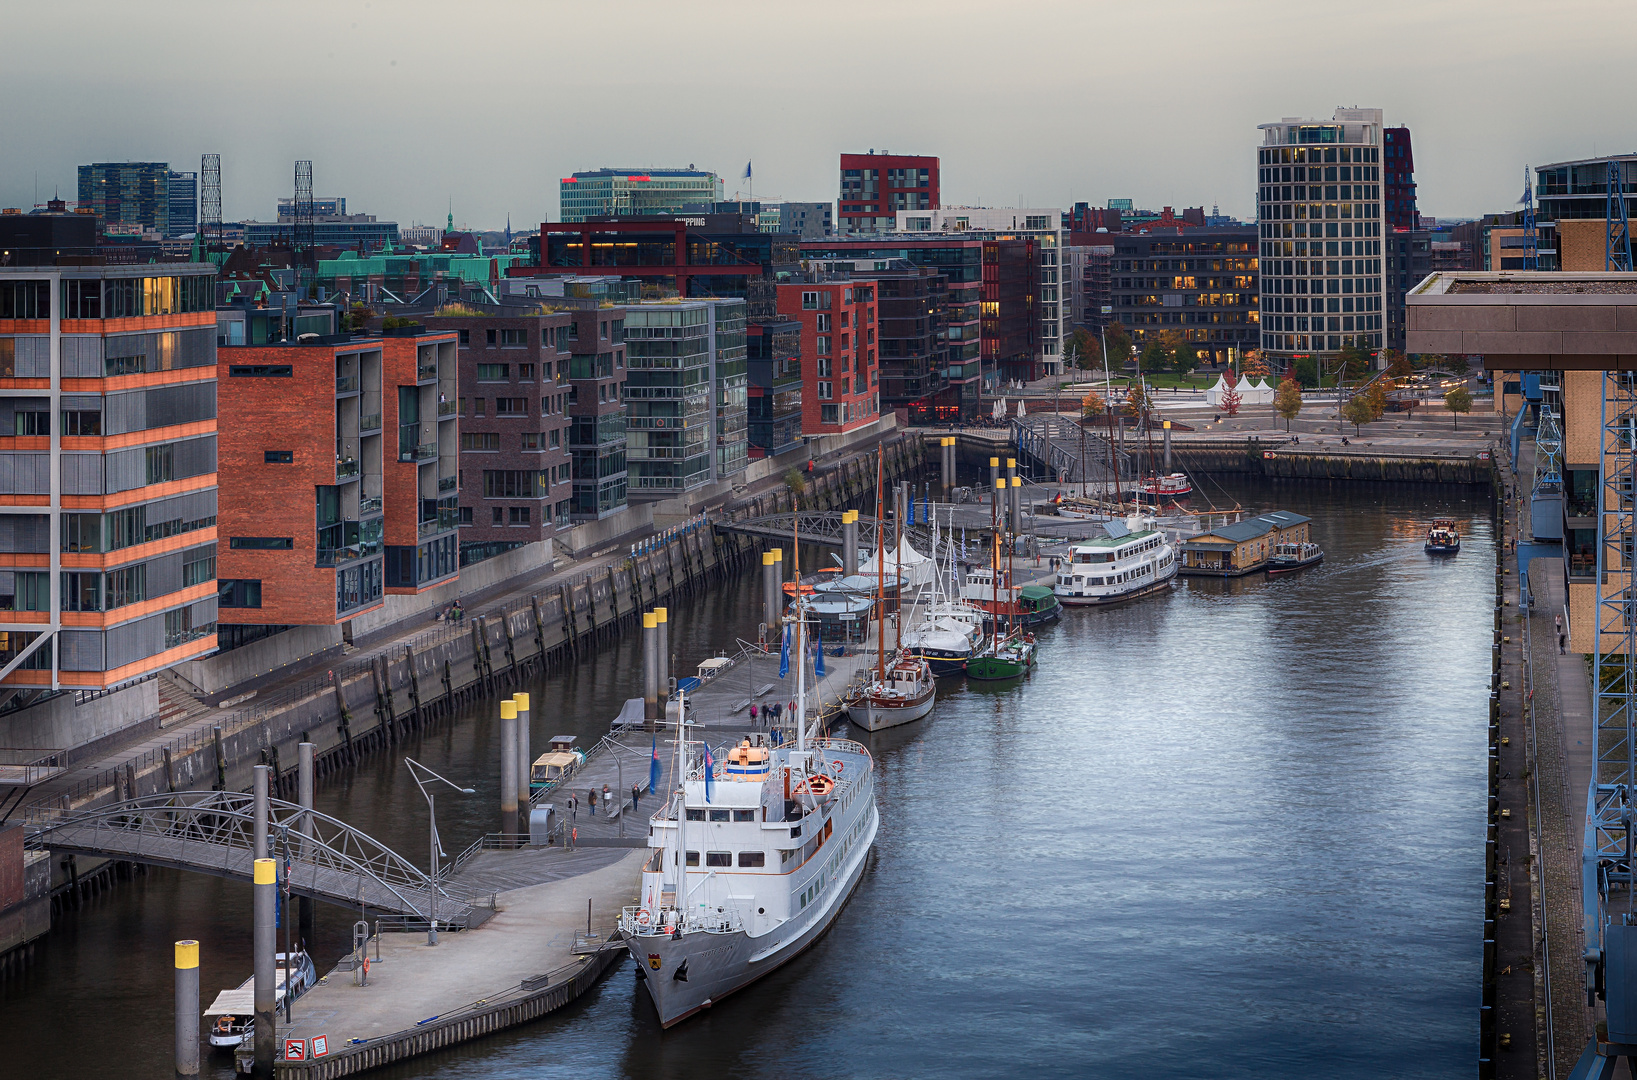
[[784, 654], [653, 768], [747, 170]]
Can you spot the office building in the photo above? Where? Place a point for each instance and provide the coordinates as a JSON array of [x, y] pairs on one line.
[[874, 187], [359, 232], [686, 390], [324, 206], [41, 239], [805, 220], [108, 539], [1412, 254], [597, 374], [1398, 181], [183, 212], [838, 331], [1320, 226], [625, 192], [514, 417], [1576, 190], [130, 195], [1199, 283], [773, 388]]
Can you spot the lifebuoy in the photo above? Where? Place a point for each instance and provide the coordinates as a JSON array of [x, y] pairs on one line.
[[644, 919], [839, 765]]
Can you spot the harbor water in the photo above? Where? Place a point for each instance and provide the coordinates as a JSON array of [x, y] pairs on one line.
[[1231, 831]]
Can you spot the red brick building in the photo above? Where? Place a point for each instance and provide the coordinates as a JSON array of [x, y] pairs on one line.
[[840, 371], [422, 476], [874, 187], [514, 428]]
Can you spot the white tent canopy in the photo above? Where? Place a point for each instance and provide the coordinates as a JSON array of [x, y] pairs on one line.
[[918, 569]]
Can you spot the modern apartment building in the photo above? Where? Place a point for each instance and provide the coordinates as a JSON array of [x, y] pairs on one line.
[[595, 339], [773, 385], [1198, 282], [1320, 224], [108, 465], [1398, 180], [686, 395], [303, 483], [421, 480], [132, 194], [183, 193], [514, 409], [1573, 190], [874, 187], [621, 192], [839, 336]]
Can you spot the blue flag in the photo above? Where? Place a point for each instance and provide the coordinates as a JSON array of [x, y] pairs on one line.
[[912, 509], [747, 170], [784, 654], [708, 766], [653, 768], [818, 660]]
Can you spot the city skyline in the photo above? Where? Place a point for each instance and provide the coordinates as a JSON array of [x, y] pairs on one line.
[[1092, 125]]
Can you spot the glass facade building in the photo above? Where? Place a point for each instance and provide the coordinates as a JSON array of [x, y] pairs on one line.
[[622, 192]]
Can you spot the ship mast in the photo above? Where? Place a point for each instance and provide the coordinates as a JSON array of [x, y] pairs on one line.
[[880, 571], [801, 645], [898, 569], [994, 556]]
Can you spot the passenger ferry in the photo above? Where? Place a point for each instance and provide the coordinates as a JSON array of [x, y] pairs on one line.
[[1134, 559], [1293, 556], [748, 865]]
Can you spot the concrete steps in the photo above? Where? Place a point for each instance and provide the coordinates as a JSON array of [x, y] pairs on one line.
[[176, 705]]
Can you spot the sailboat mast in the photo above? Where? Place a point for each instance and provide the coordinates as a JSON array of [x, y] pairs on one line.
[[898, 569], [880, 569]]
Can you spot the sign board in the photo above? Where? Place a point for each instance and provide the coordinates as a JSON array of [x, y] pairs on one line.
[[321, 1045], [1483, 455], [295, 1049], [1107, 310]]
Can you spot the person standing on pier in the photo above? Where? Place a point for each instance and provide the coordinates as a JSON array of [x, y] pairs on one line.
[[573, 808], [636, 794], [608, 800], [752, 714], [591, 802], [1560, 645]]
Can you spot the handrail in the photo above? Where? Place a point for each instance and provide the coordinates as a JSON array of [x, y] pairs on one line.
[[1540, 847]]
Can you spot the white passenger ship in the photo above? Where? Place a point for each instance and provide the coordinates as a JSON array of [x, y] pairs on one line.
[[1133, 560]]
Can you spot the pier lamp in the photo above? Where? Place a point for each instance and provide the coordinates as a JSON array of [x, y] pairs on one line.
[[422, 775]]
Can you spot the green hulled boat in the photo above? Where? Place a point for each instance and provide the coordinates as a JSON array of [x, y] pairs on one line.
[[1008, 656]]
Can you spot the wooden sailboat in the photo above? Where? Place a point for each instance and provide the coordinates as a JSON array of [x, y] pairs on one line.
[[903, 690], [1011, 653]]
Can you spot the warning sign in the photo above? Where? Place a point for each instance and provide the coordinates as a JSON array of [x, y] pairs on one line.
[[321, 1045], [295, 1049]]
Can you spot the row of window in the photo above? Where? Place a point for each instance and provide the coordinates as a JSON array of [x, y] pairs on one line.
[[129, 527], [550, 404], [1301, 175], [1314, 155]]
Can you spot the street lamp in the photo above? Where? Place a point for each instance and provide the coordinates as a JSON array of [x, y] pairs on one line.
[[415, 770]]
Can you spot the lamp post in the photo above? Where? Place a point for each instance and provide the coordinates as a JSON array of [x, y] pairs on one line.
[[416, 769]]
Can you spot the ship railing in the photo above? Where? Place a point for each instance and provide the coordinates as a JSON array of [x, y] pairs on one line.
[[726, 921], [845, 746]]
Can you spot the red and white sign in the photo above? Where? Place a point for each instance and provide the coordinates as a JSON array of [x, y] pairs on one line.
[[295, 1049], [321, 1045]]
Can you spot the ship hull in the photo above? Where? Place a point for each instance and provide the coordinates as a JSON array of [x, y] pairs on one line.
[[874, 716], [1117, 598], [997, 669], [719, 964], [1286, 566]]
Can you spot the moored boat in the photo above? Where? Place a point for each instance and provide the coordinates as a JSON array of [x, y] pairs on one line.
[[1133, 560], [1172, 487], [232, 1016], [1009, 656], [1292, 556], [1443, 538], [902, 693], [1002, 601]]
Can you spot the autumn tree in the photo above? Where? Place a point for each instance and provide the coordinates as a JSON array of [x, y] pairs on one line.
[[1231, 400], [1119, 345], [1288, 400], [1087, 351], [1137, 401], [1253, 366], [1184, 358], [1092, 404], [1376, 396], [1458, 401], [1357, 411], [1398, 365]]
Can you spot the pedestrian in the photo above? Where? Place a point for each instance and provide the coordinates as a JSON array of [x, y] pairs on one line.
[[573, 808], [591, 802], [752, 714], [608, 800], [636, 795], [1561, 645]]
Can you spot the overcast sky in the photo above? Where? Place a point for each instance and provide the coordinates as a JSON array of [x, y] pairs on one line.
[[403, 105]]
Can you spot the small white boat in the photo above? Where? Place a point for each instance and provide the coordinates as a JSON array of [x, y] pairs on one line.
[[1168, 488], [232, 1016], [1293, 556], [902, 693]]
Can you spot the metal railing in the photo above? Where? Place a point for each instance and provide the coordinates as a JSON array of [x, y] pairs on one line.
[[447, 483], [369, 422], [346, 383], [345, 469], [369, 504], [1527, 601], [446, 408]]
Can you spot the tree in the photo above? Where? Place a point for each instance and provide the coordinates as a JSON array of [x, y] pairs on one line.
[[1458, 401], [1230, 401], [1355, 359], [1154, 358], [1357, 411], [1398, 365], [1306, 371], [1092, 404], [1288, 400], [1183, 357], [1137, 401], [1376, 396], [1088, 353], [1253, 366], [1119, 346]]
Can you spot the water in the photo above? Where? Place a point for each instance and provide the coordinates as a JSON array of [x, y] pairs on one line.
[[1236, 831]]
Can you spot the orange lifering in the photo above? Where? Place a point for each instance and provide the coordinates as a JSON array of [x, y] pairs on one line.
[[643, 918], [839, 765]]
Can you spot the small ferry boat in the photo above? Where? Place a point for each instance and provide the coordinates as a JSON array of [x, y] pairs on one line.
[[1026, 605], [1443, 538], [902, 693], [1291, 556], [1133, 560], [1172, 487], [1009, 656], [750, 862], [232, 1016], [557, 764]]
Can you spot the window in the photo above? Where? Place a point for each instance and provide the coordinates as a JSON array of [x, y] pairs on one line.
[[465, 337], [491, 339], [809, 301], [32, 423], [200, 569], [31, 592], [556, 438], [744, 815], [823, 344], [514, 339], [693, 856], [719, 815], [261, 543], [825, 391], [718, 858], [493, 372], [531, 440], [82, 422], [82, 532], [466, 517], [752, 858], [81, 592], [511, 406], [127, 585], [517, 515], [696, 815], [498, 517], [479, 440], [525, 371], [160, 463], [480, 406], [278, 457], [514, 483], [259, 371]]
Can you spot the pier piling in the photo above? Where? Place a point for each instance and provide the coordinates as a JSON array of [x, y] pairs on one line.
[[508, 767], [650, 659], [947, 445], [264, 943], [524, 762], [663, 655], [770, 590], [259, 807], [187, 1009], [306, 776], [849, 547]]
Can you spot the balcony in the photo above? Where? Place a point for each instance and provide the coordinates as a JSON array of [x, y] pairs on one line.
[[446, 483], [346, 469], [426, 451], [369, 504], [448, 518], [426, 372], [346, 384], [446, 408], [337, 556], [369, 422]]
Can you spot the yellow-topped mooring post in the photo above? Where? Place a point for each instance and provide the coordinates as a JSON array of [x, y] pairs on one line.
[[187, 1008]]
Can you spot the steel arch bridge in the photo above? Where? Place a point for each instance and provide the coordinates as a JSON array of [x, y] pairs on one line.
[[821, 527], [211, 832]]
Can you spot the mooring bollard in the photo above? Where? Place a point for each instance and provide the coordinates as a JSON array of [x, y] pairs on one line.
[[650, 668], [187, 1008], [524, 762], [770, 590], [849, 549], [508, 768], [264, 943], [663, 655]]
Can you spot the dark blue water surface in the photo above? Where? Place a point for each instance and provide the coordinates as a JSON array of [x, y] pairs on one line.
[[1234, 831]]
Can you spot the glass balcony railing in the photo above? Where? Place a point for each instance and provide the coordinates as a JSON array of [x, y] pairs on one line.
[[336, 556], [425, 451], [346, 383], [448, 518], [446, 408], [345, 469], [369, 422], [446, 483], [369, 505], [426, 371]]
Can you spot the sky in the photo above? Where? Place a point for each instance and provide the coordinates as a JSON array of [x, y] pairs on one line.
[[405, 106]]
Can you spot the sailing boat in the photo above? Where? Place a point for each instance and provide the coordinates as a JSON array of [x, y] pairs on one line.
[[952, 630], [786, 831], [1010, 654], [903, 690]]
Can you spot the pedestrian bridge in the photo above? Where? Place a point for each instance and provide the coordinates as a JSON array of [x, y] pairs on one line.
[[211, 832], [823, 527]]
